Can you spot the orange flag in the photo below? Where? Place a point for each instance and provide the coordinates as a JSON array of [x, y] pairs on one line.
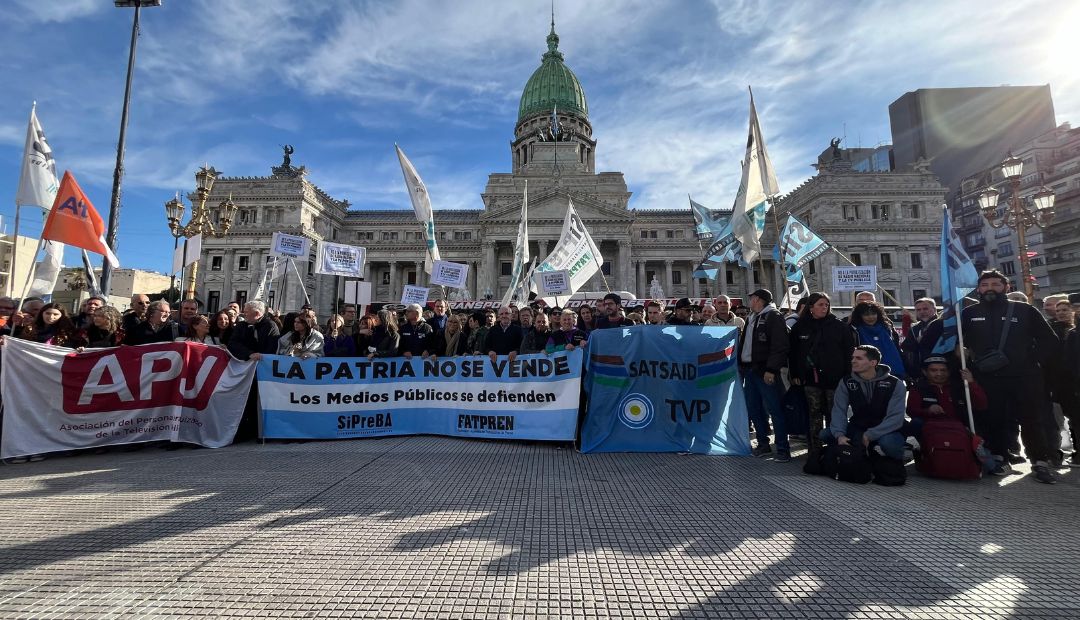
[[74, 221]]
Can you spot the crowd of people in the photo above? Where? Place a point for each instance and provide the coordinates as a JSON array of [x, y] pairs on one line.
[[856, 381]]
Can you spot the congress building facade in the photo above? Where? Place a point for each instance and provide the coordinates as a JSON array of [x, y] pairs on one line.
[[638, 245]]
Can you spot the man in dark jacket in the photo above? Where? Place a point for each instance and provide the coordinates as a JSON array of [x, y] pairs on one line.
[[876, 399], [1017, 389], [504, 338], [684, 309], [156, 328], [256, 336], [763, 352], [919, 343], [610, 309], [416, 335]]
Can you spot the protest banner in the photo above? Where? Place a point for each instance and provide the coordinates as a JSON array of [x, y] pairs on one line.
[[291, 246], [664, 389], [55, 399], [445, 273], [531, 397], [854, 278], [414, 294], [357, 292], [338, 259]]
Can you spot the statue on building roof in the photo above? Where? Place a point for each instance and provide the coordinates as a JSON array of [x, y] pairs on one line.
[[287, 161], [835, 144]]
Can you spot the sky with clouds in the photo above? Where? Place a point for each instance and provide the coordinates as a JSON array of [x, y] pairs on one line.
[[229, 81]]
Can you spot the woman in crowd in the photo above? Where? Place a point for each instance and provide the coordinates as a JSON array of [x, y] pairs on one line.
[[451, 337], [304, 341], [536, 338], [391, 340], [569, 336], [105, 331], [198, 330], [221, 326], [336, 343], [873, 327], [586, 321], [819, 357], [53, 326], [366, 334]]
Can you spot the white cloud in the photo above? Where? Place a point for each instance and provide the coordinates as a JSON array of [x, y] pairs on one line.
[[54, 10]]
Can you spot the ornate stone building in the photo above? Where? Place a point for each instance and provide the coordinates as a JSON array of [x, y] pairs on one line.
[[637, 244]]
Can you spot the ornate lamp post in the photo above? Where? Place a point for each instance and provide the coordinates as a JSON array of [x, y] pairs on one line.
[[1018, 216], [200, 222]]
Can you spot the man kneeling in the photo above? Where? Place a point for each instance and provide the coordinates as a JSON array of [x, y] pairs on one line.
[[876, 399]]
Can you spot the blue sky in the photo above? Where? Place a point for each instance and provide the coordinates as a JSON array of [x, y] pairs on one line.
[[228, 81]]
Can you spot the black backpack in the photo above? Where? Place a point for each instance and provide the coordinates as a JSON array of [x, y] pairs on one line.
[[888, 472], [852, 464]]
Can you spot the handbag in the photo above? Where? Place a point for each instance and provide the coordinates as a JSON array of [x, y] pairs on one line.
[[995, 359]]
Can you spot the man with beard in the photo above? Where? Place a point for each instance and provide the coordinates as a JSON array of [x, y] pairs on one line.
[[1011, 369]]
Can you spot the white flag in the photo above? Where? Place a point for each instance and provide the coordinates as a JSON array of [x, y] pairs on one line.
[[275, 266], [757, 186], [576, 252], [421, 203], [37, 187], [521, 252]]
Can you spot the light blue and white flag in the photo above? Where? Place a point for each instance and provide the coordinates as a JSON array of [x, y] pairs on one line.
[[757, 186], [958, 278], [706, 226], [521, 252], [38, 186], [421, 203], [798, 246]]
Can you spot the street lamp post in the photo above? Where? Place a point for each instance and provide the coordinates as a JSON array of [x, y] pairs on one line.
[[118, 171], [200, 223], [1018, 216]]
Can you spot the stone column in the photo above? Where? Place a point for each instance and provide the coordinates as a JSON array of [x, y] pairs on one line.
[[419, 272], [696, 286], [226, 286], [750, 286], [668, 287], [491, 271], [722, 278], [623, 270], [641, 289], [393, 294]]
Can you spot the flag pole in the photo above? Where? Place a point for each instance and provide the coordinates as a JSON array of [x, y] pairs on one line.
[[14, 252], [957, 310], [303, 287]]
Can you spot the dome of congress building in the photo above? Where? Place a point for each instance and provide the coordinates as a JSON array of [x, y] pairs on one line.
[[552, 86]]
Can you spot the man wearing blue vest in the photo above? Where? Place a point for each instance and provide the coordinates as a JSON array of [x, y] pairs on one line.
[[876, 399]]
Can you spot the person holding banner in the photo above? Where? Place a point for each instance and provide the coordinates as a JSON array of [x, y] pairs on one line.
[[536, 337], [157, 327], [391, 338], [337, 342], [415, 335], [569, 336], [106, 331], [763, 353], [1011, 345], [198, 330], [611, 309], [449, 341], [53, 326], [654, 313], [304, 341], [586, 318], [505, 337], [256, 336]]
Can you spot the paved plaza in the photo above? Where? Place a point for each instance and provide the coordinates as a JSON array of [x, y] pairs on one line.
[[428, 527]]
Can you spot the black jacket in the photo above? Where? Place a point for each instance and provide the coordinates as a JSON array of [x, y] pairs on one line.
[[262, 337], [769, 345], [145, 334], [503, 341], [415, 339], [919, 345], [1031, 344], [820, 354]]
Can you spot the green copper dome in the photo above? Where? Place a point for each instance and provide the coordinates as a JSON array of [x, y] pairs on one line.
[[553, 85]]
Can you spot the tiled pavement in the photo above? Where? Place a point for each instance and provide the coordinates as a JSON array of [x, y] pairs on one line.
[[446, 528]]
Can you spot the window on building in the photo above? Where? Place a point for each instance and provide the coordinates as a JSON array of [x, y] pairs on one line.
[[679, 234], [914, 212], [215, 263], [644, 234], [1005, 249], [653, 234], [917, 293], [670, 234], [410, 278], [890, 297], [974, 239], [409, 235], [676, 277], [757, 277], [811, 267], [605, 268], [213, 301], [389, 236], [462, 235], [1008, 268], [856, 258], [241, 298], [506, 268], [729, 276], [244, 264], [850, 211], [879, 211], [649, 275], [916, 260], [886, 260], [384, 277], [270, 298]]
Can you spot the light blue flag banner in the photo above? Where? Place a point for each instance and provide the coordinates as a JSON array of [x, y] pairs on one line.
[[532, 397], [798, 246], [706, 226], [958, 278], [664, 389], [726, 248]]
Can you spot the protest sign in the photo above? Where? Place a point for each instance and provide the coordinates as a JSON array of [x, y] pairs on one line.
[[854, 278], [357, 292], [338, 259], [414, 294], [531, 397], [554, 282], [292, 246], [55, 399], [445, 273], [186, 253], [664, 389]]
